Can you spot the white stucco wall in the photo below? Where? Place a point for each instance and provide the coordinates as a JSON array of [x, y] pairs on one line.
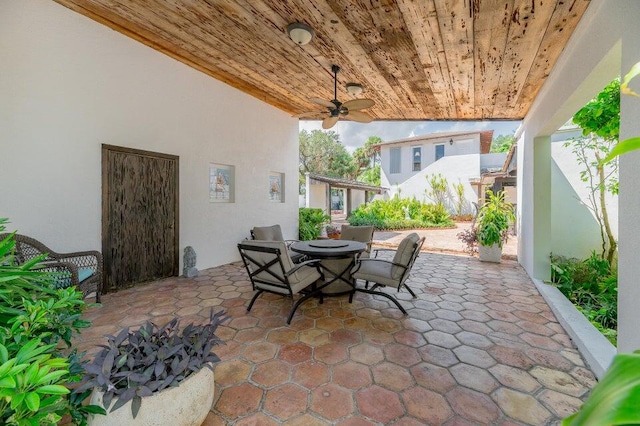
[[574, 229], [317, 196], [69, 84], [456, 169]]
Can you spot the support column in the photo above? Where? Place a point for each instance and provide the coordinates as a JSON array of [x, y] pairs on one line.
[[628, 200], [347, 202], [534, 205], [542, 207], [307, 193], [328, 199]]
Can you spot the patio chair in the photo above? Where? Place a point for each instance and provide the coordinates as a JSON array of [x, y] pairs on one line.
[[82, 269], [392, 273], [363, 234], [274, 233], [271, 269]]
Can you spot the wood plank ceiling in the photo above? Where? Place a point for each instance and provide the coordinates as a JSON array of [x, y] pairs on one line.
[[417, 59]]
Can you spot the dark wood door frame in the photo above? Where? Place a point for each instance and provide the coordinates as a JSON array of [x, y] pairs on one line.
[[106, 149]]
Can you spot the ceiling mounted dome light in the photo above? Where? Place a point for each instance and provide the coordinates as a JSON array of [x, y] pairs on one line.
[[300, 33], [354, 89]]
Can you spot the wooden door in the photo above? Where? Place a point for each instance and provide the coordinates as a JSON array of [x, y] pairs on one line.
[[139, 216]]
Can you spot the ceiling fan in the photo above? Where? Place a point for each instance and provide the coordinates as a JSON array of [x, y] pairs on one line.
[[351, 109]]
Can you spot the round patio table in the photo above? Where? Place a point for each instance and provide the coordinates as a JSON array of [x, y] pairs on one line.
[[337, 274]]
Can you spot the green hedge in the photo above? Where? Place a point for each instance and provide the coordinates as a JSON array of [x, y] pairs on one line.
[[391, 214]]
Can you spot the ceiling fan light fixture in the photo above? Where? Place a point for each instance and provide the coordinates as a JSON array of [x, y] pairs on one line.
[[300, 33], [355, 89]]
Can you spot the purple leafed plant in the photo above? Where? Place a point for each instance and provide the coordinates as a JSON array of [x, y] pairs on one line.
[[149, 359]]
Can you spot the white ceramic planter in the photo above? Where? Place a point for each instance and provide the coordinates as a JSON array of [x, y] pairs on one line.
[[184, 405], [490, 253]]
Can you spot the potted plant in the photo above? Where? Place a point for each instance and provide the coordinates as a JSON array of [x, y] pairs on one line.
[[333, 232], [491, 228], [156, 375]]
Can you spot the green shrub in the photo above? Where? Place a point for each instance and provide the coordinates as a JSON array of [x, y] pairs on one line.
[[592, 286], [391, 214], [310, 223], [35, 369]]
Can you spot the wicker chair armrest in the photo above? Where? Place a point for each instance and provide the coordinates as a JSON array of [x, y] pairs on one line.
[[88, 258]]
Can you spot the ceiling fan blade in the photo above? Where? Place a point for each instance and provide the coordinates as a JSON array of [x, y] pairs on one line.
[[357, 104], [323, 102], [307, 114], [359, 116], [329, 122]]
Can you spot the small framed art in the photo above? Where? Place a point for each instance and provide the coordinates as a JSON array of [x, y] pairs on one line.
[[276, 187], [221, 183]]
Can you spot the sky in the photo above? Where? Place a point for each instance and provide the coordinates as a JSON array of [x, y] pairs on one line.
[[354, 135]]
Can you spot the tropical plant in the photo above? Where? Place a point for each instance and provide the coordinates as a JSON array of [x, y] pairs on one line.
[[592, 286], [438, 190], [391, 214], [35, 370], [600, 123], [494, 217], [141, 362], [460, 198], [616, 397], [310, 222]]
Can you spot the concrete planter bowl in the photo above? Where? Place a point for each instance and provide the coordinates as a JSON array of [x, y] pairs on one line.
[[184, 405], [491, 253]]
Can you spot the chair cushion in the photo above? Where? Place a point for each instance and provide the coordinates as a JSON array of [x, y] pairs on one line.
[[403, 254], [64, 280], [377, 271], [298, 280], [263, 258], [268, 233], [363, 234]]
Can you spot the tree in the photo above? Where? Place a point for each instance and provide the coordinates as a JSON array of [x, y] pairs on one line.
[[502, 143], [600, 123], [367, 161], [322, 153]]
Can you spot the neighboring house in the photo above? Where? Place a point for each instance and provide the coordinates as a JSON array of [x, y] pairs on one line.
[[459, 157]]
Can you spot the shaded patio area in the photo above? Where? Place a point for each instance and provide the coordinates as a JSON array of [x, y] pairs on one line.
[[478, 346]]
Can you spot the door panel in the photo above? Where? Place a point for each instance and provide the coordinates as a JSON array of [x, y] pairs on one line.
[[140, 216]]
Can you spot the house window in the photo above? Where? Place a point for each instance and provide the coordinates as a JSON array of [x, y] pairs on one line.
[[439, 151], [417, 158], [395, 160]]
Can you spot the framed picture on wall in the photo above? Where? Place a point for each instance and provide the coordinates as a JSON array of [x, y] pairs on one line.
[[276, 187], [221, 183]]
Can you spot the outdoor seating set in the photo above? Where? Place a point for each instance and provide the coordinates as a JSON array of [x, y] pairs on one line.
[[325, 267]]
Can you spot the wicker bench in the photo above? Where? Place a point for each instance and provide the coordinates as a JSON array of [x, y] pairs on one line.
[[82, 269]]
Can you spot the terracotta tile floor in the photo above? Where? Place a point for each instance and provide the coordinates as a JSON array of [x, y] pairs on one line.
[[478, 346]]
